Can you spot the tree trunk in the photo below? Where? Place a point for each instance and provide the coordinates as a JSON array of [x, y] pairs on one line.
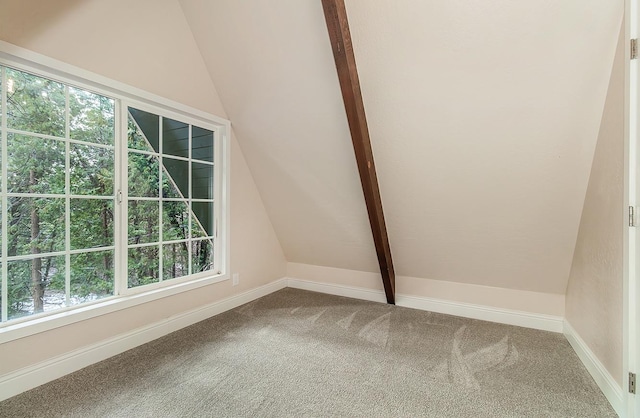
[[37, 289], [105, 229], [136, 219], [173, 257]]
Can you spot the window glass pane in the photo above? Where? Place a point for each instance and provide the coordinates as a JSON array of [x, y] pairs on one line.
[[36, 225], [175, 221], [175, 138], [1, 236], [178, 170], [169, 188], [91, 223], [203, 212], [143, 265], [91, 117], [35, 165], [1, 297], [1, 125], [197, 230], [144, 130], [91, 170], [143, 175], [143, 221], [202, 181], [35, 286], [201, 256], [35, 104], [91, 276], [1, 117], [202, 144], [175, 260]]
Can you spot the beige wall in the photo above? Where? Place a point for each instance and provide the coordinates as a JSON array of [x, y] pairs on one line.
[[551, 304], [483, 117], [594, 293], [146, 44]]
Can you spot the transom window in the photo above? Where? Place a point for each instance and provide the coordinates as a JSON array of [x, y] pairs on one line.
[[100, 196]]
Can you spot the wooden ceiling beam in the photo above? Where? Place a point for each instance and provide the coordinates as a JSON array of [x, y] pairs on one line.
[[335, 15]]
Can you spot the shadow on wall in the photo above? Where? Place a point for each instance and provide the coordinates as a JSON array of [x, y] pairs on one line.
[[24, 20], [331, 223]]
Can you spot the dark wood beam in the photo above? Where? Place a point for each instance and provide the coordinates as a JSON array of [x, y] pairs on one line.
[[335, 15]]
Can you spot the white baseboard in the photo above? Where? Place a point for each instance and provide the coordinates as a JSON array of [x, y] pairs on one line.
[[338, 290], [467, 310], [30, 377], [485, 313], [603, 378]]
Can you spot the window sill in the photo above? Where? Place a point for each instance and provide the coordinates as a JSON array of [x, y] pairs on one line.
[[72, 315]]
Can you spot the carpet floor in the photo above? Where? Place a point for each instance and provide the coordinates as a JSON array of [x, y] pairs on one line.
[[295, 353]]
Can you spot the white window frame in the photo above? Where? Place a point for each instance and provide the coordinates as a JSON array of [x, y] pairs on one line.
[[128, 96], [218, 175]]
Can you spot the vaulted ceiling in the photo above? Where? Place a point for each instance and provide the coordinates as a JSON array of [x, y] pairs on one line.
[[483, 119]]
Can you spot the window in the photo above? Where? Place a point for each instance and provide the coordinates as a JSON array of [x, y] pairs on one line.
[[170, 201], [103, 195]]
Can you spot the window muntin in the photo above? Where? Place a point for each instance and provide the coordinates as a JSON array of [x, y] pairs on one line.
[[75, 131]]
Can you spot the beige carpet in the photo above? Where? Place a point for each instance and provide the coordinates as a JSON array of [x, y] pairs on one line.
[[296, 353]]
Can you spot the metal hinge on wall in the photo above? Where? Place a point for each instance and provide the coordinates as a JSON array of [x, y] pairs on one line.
[[634, 49], [632, 382], [632, 216]]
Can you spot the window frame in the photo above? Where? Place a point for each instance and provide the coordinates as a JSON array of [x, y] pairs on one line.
[[218, 176], [127, 96]]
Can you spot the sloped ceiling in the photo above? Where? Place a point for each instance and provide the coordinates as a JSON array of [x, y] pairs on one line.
[[483, 118]]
